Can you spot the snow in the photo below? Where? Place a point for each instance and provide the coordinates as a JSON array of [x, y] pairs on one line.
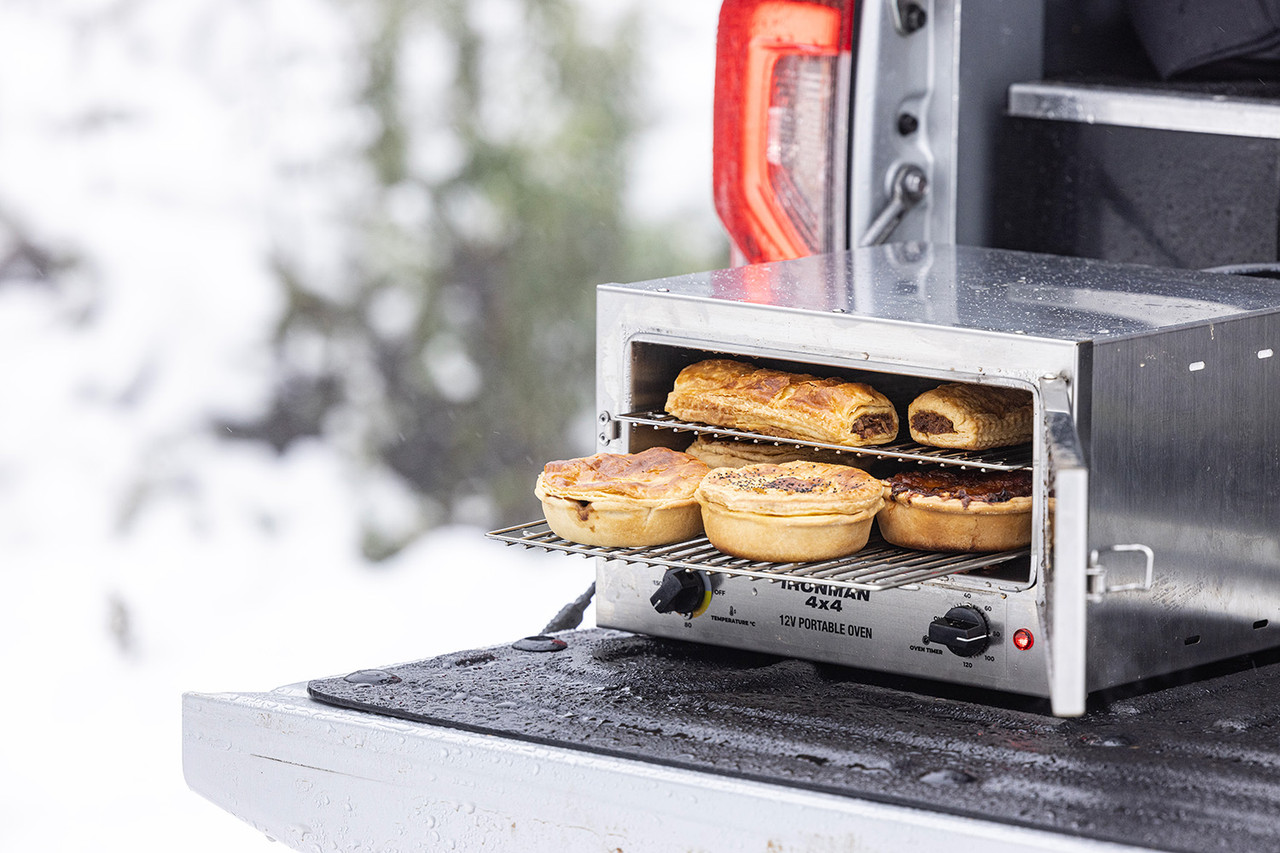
[[170, 148]]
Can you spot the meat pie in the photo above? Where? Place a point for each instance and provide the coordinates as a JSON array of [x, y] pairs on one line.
[[947, 509], [623, 500], [797, 511]]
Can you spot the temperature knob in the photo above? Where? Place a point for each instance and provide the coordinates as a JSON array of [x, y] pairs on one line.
[[681, 591], [963, 629]]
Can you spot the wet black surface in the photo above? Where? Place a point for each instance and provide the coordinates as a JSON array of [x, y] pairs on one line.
[[1193, 766]]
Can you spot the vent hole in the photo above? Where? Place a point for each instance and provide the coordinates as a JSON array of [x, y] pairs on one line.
[[1265, 353], [1195, 365], [1192, 640], [1261, 623]]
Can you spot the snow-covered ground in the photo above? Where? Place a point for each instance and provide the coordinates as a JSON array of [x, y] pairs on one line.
[[140, 556]]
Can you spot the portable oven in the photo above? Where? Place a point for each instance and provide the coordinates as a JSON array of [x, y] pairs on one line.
[[1155, 459]]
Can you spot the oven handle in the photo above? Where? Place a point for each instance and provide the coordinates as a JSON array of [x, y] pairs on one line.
[[1067, 578], [1097, 572]]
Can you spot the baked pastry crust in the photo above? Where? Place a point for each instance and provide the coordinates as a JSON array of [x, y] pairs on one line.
[[793, 512], [623, 500], [970, 417], [957, 510], [724, 392], [732, 453]]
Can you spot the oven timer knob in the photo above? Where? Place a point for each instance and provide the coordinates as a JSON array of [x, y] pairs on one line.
[[963, 629], [682, 591]]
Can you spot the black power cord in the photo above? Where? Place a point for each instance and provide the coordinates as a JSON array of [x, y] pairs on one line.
[[570, 616]]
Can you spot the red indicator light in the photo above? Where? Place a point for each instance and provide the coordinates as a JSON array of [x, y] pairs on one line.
[[1023, 639]]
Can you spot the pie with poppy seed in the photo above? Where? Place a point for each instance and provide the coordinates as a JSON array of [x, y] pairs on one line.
[[793, 512]]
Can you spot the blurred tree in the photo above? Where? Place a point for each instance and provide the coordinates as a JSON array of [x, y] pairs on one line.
[[460, 355]]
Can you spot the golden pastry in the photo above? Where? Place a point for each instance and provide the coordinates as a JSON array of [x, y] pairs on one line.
[[732, 453], [723, 392], [971, 417], [945, 509], [623, 500], [794, 512]]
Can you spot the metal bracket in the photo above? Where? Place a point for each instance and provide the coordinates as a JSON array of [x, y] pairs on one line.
[[610, 429], [1097, 573], [909, 187]]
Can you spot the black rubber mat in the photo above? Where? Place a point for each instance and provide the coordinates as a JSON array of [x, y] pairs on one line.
[[1193, 766]]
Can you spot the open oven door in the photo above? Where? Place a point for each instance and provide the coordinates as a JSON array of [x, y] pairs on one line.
[[1067, 549]]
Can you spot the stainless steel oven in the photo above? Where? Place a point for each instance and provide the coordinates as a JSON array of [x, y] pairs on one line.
[[1155, 461]]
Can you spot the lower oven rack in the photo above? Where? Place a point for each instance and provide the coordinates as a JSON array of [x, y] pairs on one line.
[[1017, 458], [878, 566]]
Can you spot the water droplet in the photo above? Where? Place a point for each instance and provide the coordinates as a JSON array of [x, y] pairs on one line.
[[1114, 739], [372, 676], [948, 777]]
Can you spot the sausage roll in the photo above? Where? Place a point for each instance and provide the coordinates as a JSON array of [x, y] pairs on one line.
[[970, 417], [723, 392]]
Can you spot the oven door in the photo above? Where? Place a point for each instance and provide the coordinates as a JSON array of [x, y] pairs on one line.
[[1066, 550]]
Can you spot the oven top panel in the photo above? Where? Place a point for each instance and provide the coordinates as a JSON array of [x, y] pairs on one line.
[[985, 290]]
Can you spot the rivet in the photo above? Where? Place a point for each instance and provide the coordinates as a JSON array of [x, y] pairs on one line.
[[913, 17]]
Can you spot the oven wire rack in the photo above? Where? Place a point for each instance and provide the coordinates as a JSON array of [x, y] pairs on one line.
[[878, 566], [1017, 458]]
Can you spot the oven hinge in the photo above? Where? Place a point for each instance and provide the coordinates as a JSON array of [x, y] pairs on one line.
[[1096, 573]]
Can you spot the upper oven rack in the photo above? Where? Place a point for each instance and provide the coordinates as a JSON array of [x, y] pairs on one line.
[[1016, 458], [878, 566]]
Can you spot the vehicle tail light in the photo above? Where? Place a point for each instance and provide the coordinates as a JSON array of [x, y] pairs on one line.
[[781, 113]]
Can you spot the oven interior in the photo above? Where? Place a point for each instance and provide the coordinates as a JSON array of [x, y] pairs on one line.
[[653, 370]]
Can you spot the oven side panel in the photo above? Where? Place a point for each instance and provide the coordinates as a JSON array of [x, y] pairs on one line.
[[1184, 457]]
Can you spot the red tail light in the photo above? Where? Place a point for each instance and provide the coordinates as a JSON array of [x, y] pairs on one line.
[[780, 124]]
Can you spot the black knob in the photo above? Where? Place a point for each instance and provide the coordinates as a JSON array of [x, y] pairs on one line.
[[964, 630], [681, 591]]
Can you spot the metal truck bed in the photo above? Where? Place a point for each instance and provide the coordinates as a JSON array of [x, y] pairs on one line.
[[622, 742]]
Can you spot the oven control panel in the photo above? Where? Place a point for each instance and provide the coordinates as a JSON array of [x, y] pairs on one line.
[[947, 631]]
